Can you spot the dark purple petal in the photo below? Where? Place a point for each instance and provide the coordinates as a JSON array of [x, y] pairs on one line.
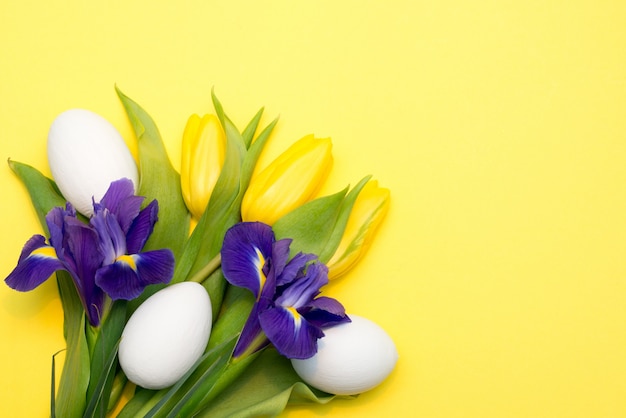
[[289, 332], [36, 264], [325, 312], [129, 275], [141, 228], [56, 220], [111, 236], [94, 304], [247, 248], [295, 268], [280, 255], [84, 250], [252, 338], [118, 191], [301, 292]]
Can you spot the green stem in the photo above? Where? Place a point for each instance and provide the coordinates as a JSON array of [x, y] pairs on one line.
[[206, 271]]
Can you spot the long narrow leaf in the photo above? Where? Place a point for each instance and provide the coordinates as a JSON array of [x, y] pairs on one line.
[[310, 225], [214, 359], [43, 192], [269, 385], [99, 400], [108, 336], [53, 385], [158, 180], [342, 219], [71, 396]]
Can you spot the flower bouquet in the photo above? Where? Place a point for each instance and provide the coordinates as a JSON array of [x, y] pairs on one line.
[[199, 293]]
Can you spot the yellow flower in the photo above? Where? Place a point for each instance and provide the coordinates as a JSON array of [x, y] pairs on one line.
[[368, 211], [203, 150], [289, 181]]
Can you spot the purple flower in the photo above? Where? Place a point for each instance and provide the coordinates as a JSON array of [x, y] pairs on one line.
[[103, 256], [287, 312]]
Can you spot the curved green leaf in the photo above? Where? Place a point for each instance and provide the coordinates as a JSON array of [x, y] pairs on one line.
[[158, 180], [269, 384]]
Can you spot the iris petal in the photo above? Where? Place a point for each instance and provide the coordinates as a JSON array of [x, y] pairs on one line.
[[36, 264], [302, 291], [247, 246], [129, 275], [141, 228], [325, 312], [252, 337], [120, 200], [295, 268], [280, 256], [289, 332]]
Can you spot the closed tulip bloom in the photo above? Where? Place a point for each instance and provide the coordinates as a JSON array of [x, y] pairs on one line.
[[367, 213], [289, 181], [204, 144]]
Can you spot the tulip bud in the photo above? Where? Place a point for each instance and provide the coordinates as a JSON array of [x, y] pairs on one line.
[[289, 181], [204, 144], [368, 211], [86, 154]]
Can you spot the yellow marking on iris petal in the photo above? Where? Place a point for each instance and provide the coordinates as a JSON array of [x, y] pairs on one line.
[[45, 252], [128, 259], [297, 319]]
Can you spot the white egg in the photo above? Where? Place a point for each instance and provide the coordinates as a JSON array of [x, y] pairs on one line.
[[351, 358], [86, 153], [166, 335]]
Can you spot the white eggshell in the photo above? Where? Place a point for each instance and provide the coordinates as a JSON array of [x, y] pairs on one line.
[[166, 335], [352, 358], [86, 153]]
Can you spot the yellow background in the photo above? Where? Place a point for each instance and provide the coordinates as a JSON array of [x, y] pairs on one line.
[[499, 127]]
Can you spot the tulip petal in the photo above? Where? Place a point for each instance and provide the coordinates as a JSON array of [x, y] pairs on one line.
[[36, 264], [246, 249], [289, 332], [129, 275]]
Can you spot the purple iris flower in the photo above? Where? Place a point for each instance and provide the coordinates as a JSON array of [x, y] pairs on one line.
[[103, 256], [288, 312]]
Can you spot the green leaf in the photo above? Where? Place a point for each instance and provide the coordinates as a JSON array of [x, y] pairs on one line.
[[53, 385], [224, 206], [142, 400], [310, 225], [71, 397], [43, 192], [342, 220], [202, 380], [158, 180], [264, 389], [248, 133], [99, 398], [103, 353], [236, 308]]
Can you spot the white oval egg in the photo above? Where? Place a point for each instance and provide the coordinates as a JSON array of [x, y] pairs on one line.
[[86, 154], [351, 358], [166, 335]]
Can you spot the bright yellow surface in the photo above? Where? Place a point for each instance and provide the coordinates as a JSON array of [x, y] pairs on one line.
[[499, 127]]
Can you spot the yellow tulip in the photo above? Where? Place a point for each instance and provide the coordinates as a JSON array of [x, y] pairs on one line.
[[204, 146], [368, 211], [289, 181]]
